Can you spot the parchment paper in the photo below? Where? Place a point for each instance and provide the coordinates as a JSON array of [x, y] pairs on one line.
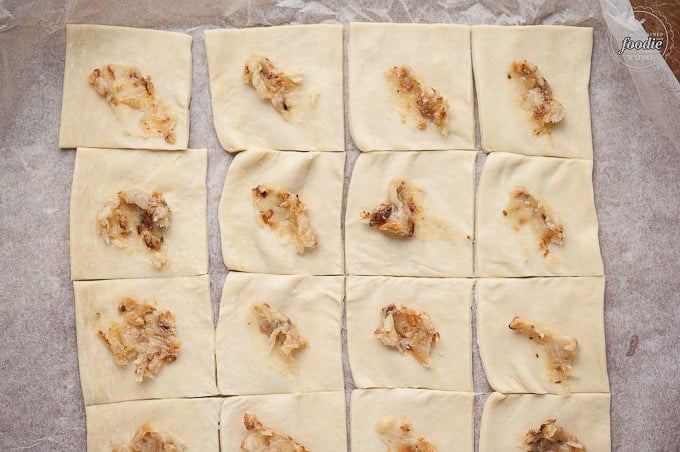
[[636, 190]]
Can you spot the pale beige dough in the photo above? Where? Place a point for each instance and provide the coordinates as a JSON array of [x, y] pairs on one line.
[[245, 364], [443, 418], [244, 121], [569, 306], [87, 119], [562, 55], [179, 176], [507, 418], [442, 245], [565, 185], [317, 178], [447, 301], [439, 54], [191, 375], [191, 422], [316, 420]]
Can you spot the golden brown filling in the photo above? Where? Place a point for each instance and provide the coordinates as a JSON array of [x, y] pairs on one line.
[[283, 212], [397, 215], [147, 337], [523, 207], [282, 332], [399, 437], [263, 439], [551, 438], [561, 349], [414, 97], [147, 440], [537, 97], [147, 215], [407, 330], [270, 84], [126, 85]]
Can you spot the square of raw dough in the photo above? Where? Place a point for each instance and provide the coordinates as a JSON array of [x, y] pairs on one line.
[[438, 55], [442, 185], [446, 301], [250, 245], [310, 55], [315, 420], [93, 120], [192, 423], [443, 418], [571, 307], [246, 362], [179, 177], [192, 374], [512, 241], [507, 419], [562, 57]]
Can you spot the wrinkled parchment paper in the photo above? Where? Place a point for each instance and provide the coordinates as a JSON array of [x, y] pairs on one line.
[[636, 120]]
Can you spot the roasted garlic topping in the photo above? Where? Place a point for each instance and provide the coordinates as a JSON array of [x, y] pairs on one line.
[[283, 333], [397, 215], [147, 440], [399, 437], [263, 439], [551, 438], [407, 330], [523, 207], [147, 337], [126, 85], [271, 85], [147, 215], [413, 96], [561, 349], [283, 212], [537, 97]]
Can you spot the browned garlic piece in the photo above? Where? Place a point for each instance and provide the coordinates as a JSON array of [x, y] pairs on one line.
[[397, 215], [270, 84], [147, 337], [561, 349], [414, 97], [284, 213], [263, 439], [148, 215], [407, 330], [551, 438], [399, 437], [125, 85], [537, 97], [523, 207], [148, 440], [282, 332]]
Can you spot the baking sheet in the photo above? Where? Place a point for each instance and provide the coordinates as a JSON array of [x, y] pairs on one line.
[[636, 189]]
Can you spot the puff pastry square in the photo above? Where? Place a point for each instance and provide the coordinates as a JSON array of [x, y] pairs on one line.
[[562, 56], [251, 246], [316, 420], [246, 363], [439, 55], [442, 185], [179, 177], [311, 55], [560, 188], [446, 301], [192, 423], [88, 119], [572, 307], [508, 418], [443, 418], [188, 299]]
